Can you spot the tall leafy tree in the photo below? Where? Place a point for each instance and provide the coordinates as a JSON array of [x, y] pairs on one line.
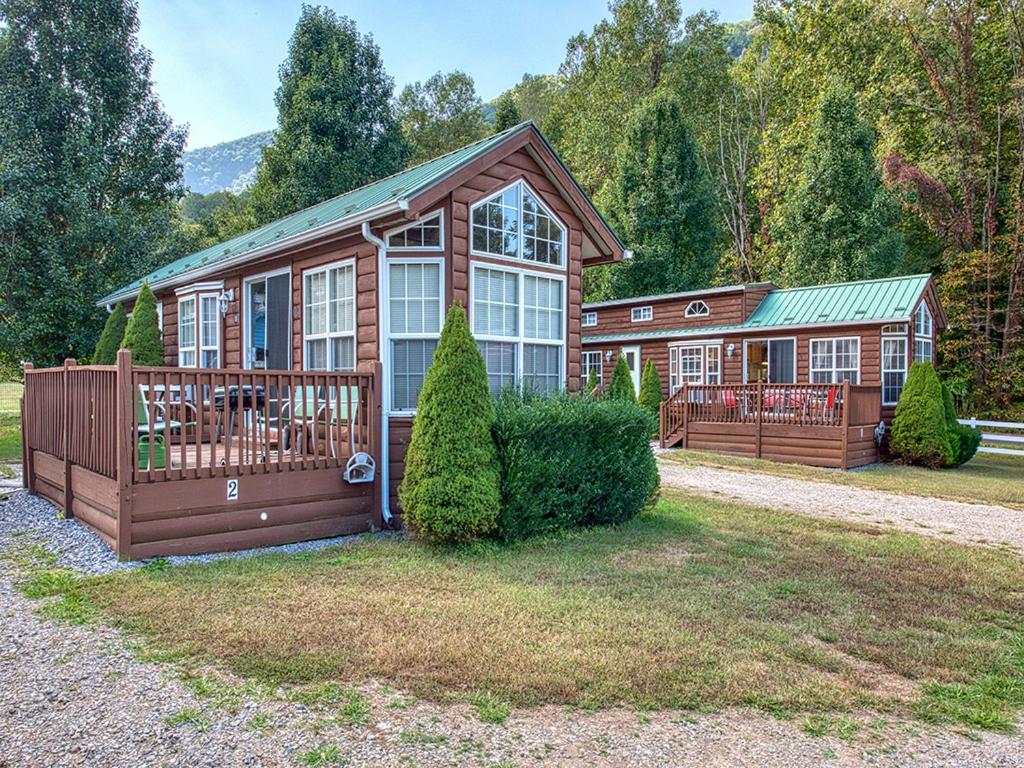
[[507, 113], [441, 115], [337, 128], [841, 222], [605, 75], [534, 95], [89, 166], [662, 203]]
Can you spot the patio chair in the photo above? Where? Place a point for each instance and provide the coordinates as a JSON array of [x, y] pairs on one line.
[[151, 443]]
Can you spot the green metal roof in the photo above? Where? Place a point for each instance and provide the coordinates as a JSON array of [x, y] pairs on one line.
[[889, 299], [392, 189]]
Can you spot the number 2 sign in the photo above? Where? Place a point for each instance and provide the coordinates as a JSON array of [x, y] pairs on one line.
[[233, 490]]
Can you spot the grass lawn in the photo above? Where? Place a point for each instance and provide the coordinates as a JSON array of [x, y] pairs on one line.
[[697, 604], [988, 478], [10, 437]]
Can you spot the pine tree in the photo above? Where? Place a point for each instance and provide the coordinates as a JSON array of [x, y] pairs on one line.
[[110, 339], [662, 203], [441, 115], [89, 170], [841, 223], [450, 491], [650, 388], [142, 334], [507, 114], [621, 385], [337, 128]]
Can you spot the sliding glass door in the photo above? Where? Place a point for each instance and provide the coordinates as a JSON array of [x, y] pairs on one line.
[[772, 361]]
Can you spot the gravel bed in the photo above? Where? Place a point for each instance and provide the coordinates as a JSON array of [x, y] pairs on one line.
[[941, 518], [34, 519]]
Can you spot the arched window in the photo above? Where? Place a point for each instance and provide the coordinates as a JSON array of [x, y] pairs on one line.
[[697, 309], [515, 224]]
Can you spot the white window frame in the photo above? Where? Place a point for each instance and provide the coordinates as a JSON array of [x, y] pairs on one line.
[[675, 357], [520, 239], [697, 308], [200, 343], [923, 339], [893, 337], [521, 340], [424, 219], [641, 314], [832, 370], [588, 320], [247, 314], [585, 366], [747, 342], [328, 335], [391, 337]]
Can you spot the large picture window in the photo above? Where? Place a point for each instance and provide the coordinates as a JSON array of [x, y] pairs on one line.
[[414, 308], [515, 224], [835, 360], [923, 329], [894, 368], [519, 324], [694, 365], [329, 325], [199, 331]]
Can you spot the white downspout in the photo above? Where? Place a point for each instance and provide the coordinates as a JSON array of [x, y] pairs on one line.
[[385, 384]]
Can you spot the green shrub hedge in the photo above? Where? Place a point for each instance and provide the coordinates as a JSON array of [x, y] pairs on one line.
[[571, 461], [963, 440]]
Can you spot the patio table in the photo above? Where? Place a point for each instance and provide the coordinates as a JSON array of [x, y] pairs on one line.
[[247, 399]]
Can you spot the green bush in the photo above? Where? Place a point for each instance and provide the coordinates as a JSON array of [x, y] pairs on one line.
[[571, 461], [142, 334], [450, 491], [110, 340], [650, 388], [919, 433], [621, 385], [963, 440]]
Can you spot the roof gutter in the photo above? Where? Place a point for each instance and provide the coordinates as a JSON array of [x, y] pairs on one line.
[[382, 209], [385, 372]]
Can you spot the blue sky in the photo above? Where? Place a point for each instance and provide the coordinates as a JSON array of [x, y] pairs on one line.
[[215, 61]]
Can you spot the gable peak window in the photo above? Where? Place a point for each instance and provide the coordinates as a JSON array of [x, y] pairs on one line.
[[515, 224], [697, 309], [923, 329], [423, 235]]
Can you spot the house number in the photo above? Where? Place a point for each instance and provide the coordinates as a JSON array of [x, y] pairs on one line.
[[232, 490]]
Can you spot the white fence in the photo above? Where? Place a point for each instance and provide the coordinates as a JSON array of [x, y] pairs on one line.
[[1016, 441]]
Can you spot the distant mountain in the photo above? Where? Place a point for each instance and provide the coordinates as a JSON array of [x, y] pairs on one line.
[[230, 166]]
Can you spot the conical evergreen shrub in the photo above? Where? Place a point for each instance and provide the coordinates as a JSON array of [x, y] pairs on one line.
[[650, 388], [592, 383], [621, 385], [451, 488], [110, 340], [963, 440], [142, 334], [919, 434]]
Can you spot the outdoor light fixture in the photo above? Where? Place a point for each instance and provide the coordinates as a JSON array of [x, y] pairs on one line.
[[223, 299], [608, 356], [730, 349]]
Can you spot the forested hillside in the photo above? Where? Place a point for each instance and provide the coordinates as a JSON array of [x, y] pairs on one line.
[[229, 166]]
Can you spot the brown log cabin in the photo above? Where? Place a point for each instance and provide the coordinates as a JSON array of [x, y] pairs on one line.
[[294, 354], [801, 374]]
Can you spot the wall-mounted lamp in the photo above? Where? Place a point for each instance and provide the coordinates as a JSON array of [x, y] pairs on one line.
[[608, 356], [730, 349], [223, 299]]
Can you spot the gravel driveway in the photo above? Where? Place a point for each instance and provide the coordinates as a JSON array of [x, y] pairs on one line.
[[83, 696], [941, 518]]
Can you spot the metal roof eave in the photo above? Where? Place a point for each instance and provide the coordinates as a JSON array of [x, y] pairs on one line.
[[679, 295], [382, 209]]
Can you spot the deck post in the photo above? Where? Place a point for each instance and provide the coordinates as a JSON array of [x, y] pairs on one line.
[[376, 443], [661, 423], [759, 416], [27, 480], [69, 496], [125, 404], [846, 424]]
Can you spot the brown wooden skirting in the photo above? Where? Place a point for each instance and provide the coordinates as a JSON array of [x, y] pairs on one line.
[[80, 426]]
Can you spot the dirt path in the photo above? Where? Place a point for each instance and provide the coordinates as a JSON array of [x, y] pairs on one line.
[[941, 518]]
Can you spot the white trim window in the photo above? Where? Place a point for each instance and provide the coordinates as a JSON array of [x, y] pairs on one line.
[[588, 319], [697, 308], [641, 314], [894, 368], [424, 235], [835, 360], [923, 329], [519, 324], [515, 224], [591, 361], [329, 318], [199, 333], [415, 309], [694, 364], [187, 332]]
